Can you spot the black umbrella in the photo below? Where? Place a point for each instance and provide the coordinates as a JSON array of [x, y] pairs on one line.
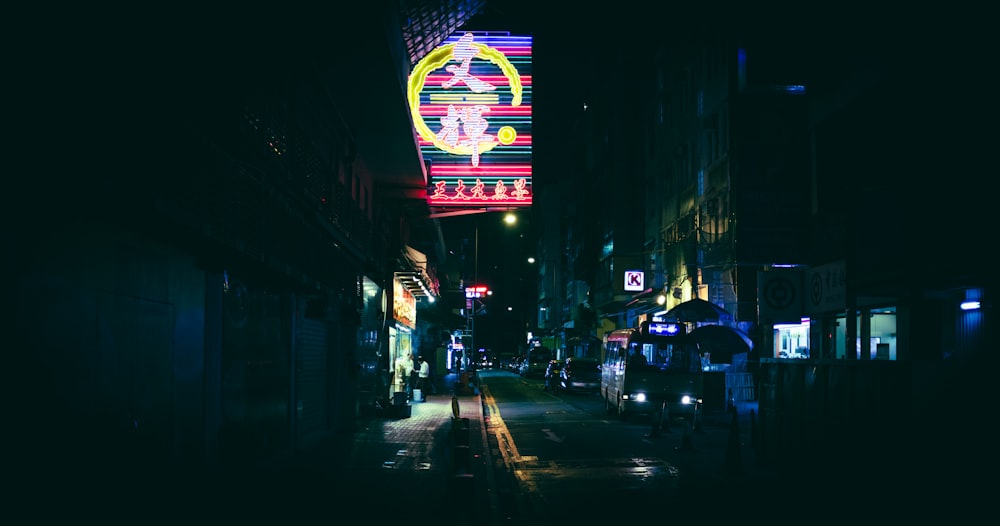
[[698, 310], [722, 342]]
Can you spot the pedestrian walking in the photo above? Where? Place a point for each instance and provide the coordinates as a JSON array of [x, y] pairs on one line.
[[424, 376]]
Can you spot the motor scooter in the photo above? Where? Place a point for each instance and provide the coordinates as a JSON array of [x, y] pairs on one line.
[[552, 379]]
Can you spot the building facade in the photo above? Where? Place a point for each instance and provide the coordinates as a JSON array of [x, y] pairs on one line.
[[218, 289], [778, 178]]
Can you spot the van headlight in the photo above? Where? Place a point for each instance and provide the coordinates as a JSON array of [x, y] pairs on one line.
[[687, 400], [639, 397]]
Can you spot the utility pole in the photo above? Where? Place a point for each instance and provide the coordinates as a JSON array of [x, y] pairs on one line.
[[475, 277]]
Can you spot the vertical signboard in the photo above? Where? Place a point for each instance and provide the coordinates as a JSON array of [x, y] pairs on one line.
[[470, 100], [826, 288], [404, 305], [779, 296]]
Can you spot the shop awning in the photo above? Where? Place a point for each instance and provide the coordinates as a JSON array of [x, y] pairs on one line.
[[415, 275]]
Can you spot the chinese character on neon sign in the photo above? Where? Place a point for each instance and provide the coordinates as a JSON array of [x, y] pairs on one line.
[[478, 191], [463, 129]]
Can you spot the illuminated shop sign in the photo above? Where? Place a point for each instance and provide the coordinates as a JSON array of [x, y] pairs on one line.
[[664, 328], [470, 100], [404, 305], [635, 280], [477, 291]]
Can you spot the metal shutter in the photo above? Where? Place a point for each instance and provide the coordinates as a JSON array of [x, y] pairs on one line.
[[311, 373]]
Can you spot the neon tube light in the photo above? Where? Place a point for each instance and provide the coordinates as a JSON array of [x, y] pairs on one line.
[[470, 101]]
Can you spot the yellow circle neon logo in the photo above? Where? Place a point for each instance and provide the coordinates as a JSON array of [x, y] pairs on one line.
[[506, 135], [439, 58]]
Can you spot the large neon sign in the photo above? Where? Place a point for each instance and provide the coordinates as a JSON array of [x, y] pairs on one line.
[[470, 100]]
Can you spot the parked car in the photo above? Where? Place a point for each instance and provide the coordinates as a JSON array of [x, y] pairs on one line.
[[580, 374]]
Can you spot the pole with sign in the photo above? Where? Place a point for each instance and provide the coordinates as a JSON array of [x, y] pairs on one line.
[[472, 295]]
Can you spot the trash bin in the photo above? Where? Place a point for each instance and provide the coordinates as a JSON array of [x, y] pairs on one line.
[[418, 395]]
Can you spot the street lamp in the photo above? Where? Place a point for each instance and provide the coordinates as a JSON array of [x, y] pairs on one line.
[[510, 218]]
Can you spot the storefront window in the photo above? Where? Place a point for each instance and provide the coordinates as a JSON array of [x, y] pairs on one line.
[[881, 334], [791, 340]]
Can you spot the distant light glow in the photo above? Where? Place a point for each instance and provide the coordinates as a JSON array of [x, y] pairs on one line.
[[970, 305], [804, 322], [794, 89], [741, 67]]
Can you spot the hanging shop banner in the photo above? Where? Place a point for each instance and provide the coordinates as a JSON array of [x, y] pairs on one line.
[[404, 305], [470, 100]]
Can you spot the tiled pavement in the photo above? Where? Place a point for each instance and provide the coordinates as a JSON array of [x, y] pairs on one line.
[[425, 468]]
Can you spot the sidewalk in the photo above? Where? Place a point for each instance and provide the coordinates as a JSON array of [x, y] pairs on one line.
[[425, 468]]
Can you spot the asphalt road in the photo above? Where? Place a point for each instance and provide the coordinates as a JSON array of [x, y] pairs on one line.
[[562, 459]]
